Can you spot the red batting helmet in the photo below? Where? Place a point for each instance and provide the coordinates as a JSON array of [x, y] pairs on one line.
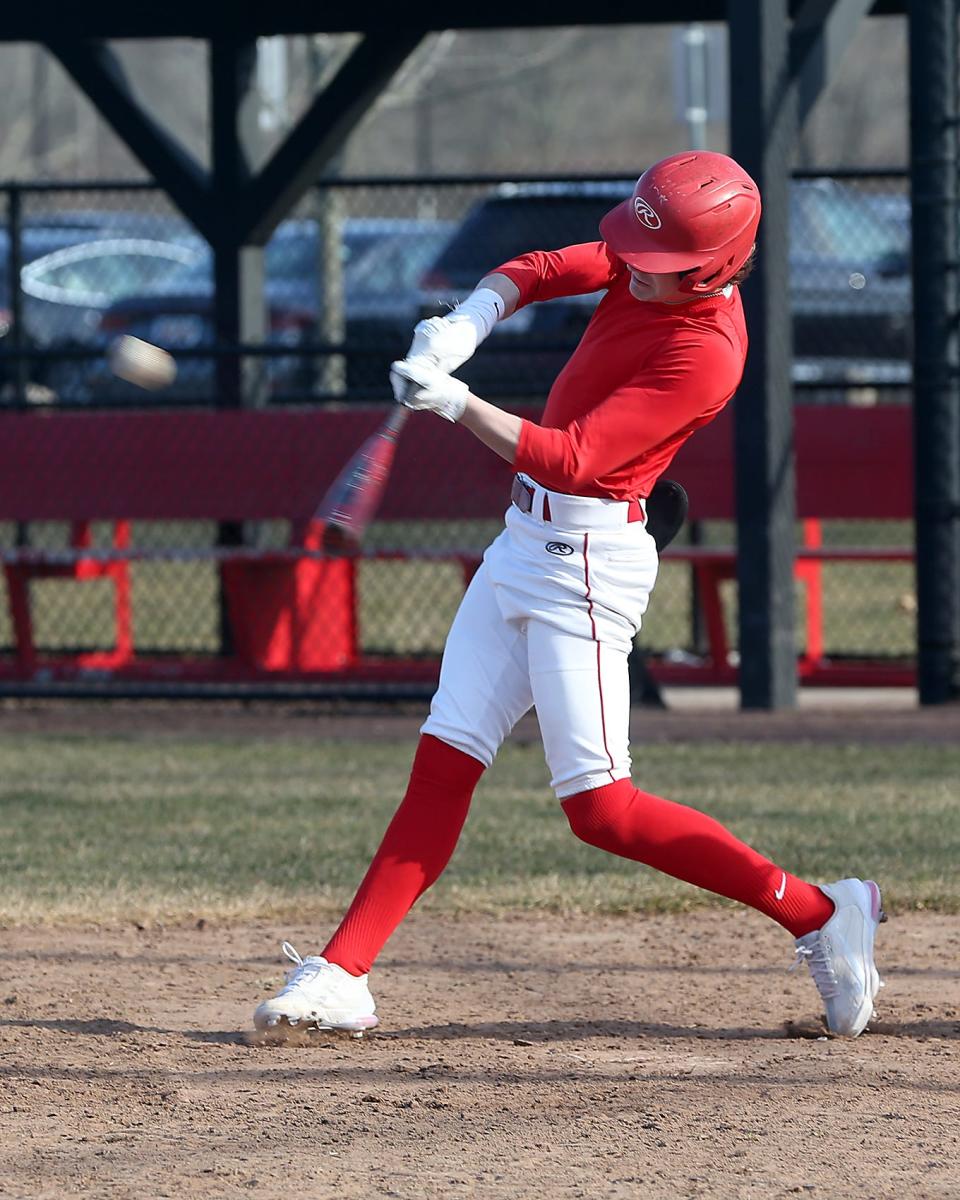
[[694, 212]]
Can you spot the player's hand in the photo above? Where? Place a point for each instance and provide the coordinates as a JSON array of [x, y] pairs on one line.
[[445, 342], [448, 341], [418, 384]]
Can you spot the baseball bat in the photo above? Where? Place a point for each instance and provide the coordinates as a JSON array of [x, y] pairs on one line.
[[353, 498]]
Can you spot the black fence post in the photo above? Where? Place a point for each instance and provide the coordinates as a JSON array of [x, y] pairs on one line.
[[239, 304], [698, 629], [15, 229], [763, 108], [936, 406], [19, 366]]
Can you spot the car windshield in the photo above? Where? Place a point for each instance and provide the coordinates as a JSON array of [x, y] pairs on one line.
[[381, 266], [501, 228], [291, 257], [98, 273], [374, 262], [835, 223]]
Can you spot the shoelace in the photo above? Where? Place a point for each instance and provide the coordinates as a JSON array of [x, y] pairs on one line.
[[821, 968], [303, 972]]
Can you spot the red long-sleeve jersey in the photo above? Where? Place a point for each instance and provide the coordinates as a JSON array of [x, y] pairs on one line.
[[644, 376]]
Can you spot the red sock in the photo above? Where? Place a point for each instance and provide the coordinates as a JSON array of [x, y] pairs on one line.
[[689, 845], [415, 849]]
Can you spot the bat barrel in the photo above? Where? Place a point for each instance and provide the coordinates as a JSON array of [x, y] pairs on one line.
[[354, 496]]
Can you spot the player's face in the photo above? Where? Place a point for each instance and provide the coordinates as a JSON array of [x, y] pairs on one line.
[[664, 289]]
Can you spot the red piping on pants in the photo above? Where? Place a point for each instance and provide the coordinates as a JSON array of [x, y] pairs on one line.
[[593, 630]]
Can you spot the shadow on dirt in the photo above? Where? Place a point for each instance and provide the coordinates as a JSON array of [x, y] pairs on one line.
[[109, 1028], [521, 1033]]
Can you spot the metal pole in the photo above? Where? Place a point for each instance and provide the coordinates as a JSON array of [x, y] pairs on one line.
[[695, 101], [763, 129], [239, 304], [698, 631], [333, 320], [936, 403], [15, 266], [239, 307]]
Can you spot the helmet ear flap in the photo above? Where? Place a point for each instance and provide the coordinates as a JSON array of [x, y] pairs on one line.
[[696, 282], [732, 270], [717, 278]]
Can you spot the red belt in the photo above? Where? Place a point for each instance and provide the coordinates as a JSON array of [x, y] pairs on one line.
[[521, 494]]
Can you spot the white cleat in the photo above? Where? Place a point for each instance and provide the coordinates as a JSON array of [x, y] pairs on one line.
[[840, 955], [321, 995]]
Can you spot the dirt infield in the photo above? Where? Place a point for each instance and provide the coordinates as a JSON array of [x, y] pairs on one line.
[[520, 1058], [528, 1057]]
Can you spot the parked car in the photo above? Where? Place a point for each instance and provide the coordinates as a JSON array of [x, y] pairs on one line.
[[45, 233], [65, 292], [386, 261], [525, 353], [849, 282], [366, 302], [850, 288], [72, 265]]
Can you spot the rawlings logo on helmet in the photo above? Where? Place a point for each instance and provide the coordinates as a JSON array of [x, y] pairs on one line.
[[645, 214]]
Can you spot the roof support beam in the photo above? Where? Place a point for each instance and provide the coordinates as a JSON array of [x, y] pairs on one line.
[[100, 75], [239, 308], [232, 194], [235, 208], [323, 130], [187, 18]]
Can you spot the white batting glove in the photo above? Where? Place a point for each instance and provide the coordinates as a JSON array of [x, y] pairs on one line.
[[443, 343], [448, 341], [420, 385]]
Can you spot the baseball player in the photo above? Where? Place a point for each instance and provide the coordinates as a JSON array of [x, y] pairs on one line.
[[549, 619]]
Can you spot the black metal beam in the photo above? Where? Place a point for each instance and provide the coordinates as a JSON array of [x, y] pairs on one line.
[[763, 133], [99, 74], [14, 266], [936, 337], [821, 33], [187, 18], [233, 65], [322, 131], [777, 71], [239, 302]]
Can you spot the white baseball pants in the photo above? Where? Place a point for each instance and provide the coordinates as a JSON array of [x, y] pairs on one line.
[[548, 622]]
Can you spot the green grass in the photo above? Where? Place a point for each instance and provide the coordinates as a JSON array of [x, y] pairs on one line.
[[170, 828]]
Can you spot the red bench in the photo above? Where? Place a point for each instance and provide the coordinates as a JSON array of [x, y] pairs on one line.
[[293, 612], [713, 566], [852, 464]]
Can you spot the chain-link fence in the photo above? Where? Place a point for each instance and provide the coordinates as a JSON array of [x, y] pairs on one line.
[[346, 277], [356, 264]]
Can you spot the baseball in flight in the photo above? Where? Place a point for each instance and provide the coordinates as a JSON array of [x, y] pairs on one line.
[[142, 363]]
